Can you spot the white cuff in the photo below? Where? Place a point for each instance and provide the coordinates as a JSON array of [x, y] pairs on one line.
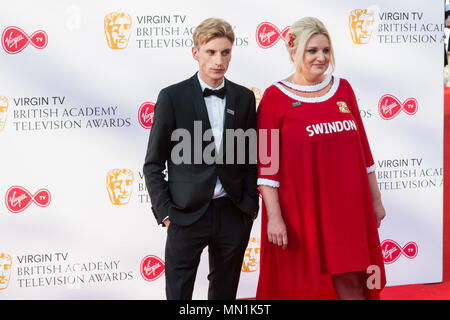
[[371, 168], [268, 182]]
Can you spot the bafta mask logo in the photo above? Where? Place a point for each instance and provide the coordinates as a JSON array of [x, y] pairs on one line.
[[3, 112], [361, 23], [5, 270], [119, 183], [257, 93], [251, 257], [118, 29]]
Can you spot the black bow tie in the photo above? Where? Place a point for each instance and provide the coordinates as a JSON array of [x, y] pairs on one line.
[[219, 93]]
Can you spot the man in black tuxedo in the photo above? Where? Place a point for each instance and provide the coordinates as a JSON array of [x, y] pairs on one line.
[[204, 203]]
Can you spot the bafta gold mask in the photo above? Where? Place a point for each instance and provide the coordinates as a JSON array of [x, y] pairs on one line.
[[117, 29], [3, 112], [361, 22], [251, 257], [119, 183], [257, 93], [5, 270]]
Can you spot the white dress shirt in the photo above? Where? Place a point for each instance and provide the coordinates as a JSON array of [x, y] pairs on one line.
[[216, 110]]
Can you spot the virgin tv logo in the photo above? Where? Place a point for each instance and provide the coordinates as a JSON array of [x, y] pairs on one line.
[[152, 268], [14, 40], [389, 106], [18, 199], [267, 34], [392, 251], [145, 114]]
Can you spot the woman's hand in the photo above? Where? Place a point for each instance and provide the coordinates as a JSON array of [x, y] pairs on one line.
[[276, 228], [276, 231], [380, 213]]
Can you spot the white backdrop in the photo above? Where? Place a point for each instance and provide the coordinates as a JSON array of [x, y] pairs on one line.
[[72, 106]]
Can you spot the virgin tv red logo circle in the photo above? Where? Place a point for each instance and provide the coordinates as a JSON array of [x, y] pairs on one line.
[[392, 251], [152, 268], [145, 114], [17, 198], [267, 35], [389, 106], [14, 40]]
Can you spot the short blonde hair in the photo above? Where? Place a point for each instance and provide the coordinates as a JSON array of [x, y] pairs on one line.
[[212, 28], [303, 30]]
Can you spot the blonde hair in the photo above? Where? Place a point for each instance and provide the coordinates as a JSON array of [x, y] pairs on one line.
[[212, 28], [303, 30]]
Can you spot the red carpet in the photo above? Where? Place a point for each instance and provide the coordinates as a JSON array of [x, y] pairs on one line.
[[439, 291]]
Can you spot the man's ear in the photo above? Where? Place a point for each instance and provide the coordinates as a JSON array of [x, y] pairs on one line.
[[195, 52]]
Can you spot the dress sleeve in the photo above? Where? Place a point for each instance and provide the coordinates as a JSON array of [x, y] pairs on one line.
[[268, 126], [370, 163]]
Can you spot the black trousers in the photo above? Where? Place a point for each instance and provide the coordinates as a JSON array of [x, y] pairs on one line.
[[225, 229]]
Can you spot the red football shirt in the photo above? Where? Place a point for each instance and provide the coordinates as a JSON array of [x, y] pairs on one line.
[[323, 189]]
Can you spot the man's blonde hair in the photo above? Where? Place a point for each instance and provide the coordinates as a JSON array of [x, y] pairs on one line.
[[303, 30], [212, 28]]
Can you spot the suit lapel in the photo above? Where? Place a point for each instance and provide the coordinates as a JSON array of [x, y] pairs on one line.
[[199, 103], [229, 115], [230, 107]]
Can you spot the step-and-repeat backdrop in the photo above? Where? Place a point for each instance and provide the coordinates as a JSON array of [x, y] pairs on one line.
[[78, 84]]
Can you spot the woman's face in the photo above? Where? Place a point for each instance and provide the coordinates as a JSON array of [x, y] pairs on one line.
[[316, 57]]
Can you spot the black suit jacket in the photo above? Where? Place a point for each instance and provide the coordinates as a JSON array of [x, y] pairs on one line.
[[185, 195]]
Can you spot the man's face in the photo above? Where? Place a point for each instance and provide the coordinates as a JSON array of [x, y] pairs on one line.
[[213, 59]]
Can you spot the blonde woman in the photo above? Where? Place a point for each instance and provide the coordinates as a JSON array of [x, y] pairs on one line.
[[323, 206]]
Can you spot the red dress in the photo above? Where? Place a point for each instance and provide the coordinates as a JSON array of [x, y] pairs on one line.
[[324, 195]]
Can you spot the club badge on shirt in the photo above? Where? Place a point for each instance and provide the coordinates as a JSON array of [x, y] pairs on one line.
[[343, 108]]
